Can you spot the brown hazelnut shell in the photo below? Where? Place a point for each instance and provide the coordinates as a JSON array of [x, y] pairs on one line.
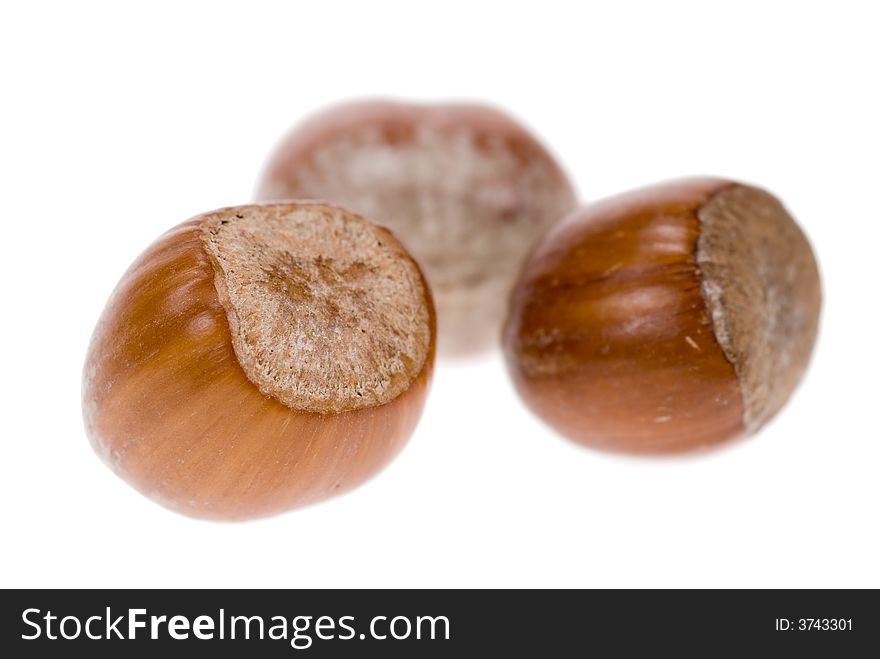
[[664, 320], [170, 409]]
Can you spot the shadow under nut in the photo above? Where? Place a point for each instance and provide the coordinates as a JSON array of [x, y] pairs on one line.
[[173, 408], [667, 319], [465, 188]]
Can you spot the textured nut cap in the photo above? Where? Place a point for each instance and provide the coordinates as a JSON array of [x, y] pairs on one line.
[[762, 288], [327, 311]]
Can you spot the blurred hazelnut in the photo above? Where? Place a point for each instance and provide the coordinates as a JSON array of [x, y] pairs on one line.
[[666, 319], [465, 188]]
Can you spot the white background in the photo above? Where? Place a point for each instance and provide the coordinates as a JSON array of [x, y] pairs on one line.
[[118, 123]]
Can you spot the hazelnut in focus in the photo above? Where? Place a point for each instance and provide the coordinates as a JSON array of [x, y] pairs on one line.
[[258, 358], [466, 189], [665, 320]]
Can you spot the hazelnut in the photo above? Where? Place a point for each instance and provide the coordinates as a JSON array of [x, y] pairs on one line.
[[258, 358], [666, 319], [465, 188]]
